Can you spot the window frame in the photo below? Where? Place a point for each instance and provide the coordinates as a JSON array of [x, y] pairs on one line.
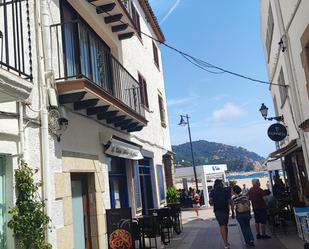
[[137, 187], [282, 90], [162, 110], [143, 91], [136, 20], [160, 182], [269, 32], [155, 55]]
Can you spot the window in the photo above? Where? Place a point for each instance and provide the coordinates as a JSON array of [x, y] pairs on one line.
[[283, 90], [138, 200], [136, 19], [160, 182], [143, 90], [155, 54], [162, 111], [305, 55], [275, 106], [270, 31]]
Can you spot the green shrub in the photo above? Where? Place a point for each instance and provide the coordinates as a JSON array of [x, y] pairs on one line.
[[172, 196], [29, 222]]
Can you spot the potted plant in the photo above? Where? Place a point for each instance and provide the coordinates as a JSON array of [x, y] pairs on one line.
[[172, 196]]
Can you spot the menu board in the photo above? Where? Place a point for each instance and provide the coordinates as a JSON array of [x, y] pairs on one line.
[[119, 228]]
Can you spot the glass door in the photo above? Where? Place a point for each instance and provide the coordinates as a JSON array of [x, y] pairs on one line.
[[146, 185], [80, 206], [118, 183]]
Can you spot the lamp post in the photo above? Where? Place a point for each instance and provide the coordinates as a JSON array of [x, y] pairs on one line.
[[264, 112], [184, 120]]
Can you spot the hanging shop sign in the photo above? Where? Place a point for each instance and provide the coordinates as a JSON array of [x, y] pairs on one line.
[[125, 150], [277, 132], [119, 224]]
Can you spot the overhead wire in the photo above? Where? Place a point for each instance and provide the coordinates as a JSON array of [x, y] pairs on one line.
[[201, 64]]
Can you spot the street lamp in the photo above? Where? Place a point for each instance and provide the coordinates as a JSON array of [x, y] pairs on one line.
[[184, 120], [264, 112]]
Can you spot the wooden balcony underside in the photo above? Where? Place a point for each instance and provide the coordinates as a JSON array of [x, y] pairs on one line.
[[86, 97]]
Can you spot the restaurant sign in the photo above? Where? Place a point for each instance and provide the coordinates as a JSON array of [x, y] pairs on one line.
[[119, 231], [277, 132], [125, 150]]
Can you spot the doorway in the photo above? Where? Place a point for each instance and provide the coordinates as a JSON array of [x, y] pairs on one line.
[[118, 183], [146, 184], [81, 217]]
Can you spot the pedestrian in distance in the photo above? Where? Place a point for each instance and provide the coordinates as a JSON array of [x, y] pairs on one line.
[[256, 196], [196, 202], [220, 199], [245, 190], [241, 205]]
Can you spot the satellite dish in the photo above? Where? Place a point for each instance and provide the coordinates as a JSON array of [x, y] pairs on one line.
[[53, 120]]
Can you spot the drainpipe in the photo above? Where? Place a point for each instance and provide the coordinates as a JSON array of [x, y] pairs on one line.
[[46, 75], [21, 129]]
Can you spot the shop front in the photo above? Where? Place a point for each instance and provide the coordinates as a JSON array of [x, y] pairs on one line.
[[131, 176], [297, 176]]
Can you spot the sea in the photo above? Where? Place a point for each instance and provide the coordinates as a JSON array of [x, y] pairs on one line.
[[247, 175]]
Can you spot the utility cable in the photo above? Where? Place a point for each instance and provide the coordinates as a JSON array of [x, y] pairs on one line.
[[202, 64]]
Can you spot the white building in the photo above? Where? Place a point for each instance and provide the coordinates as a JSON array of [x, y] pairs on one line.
[[83, 100], [285, 36], [205, 174]]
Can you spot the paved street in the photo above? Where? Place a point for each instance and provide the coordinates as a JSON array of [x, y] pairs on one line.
[[204, 233]]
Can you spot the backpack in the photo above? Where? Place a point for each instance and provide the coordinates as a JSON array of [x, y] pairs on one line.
[[242, 205]]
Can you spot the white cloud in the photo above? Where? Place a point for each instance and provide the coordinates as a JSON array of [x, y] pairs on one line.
[[175, 102], [171, 10], [229, 110]]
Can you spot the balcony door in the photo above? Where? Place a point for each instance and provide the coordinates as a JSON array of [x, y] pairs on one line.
[[86, 54]]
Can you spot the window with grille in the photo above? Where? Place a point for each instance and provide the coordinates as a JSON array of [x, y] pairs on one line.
[[155, 54], [270, 31], [283, 90], [143, 90], [136, 19], [162, 111]]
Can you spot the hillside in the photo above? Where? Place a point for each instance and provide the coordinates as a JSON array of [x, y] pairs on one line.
[[236, 158]]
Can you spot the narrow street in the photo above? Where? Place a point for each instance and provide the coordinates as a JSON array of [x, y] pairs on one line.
[[204, 233]]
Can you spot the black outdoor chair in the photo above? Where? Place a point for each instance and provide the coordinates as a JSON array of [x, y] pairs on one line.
[[166, 224], [148, 230]]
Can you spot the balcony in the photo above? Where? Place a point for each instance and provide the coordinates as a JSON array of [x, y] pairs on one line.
[[15, 51], [92, 80]]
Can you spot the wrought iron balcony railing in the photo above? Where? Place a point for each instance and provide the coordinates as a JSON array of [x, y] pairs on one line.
[[15, 38], [78, 52]]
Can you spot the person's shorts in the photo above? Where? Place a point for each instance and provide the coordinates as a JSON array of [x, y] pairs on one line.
[[260, 215], [222, 218], [196, 205]]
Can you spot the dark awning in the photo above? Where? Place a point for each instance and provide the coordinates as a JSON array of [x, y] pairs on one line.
[[292, 146]]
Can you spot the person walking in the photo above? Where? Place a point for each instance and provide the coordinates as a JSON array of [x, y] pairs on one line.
[[196, 202], [241, 204], [245, 190], [220, 199], [256, 196]]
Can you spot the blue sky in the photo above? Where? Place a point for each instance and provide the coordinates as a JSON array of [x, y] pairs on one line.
[[222, 108]]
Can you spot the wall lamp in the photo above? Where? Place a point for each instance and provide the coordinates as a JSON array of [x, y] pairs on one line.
[[264, 112]]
